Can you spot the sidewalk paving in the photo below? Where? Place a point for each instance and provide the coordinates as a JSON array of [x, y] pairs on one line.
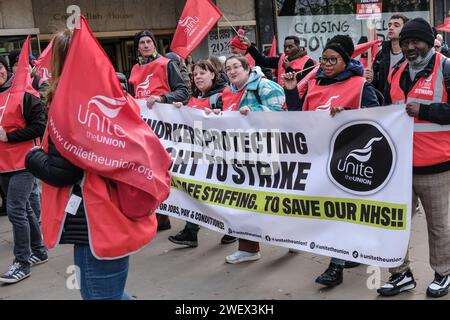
[[163, 270]]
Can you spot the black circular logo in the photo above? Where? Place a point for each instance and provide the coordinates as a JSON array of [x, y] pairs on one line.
[[268, 238], [312, 245], [362, 158], [355, 254]]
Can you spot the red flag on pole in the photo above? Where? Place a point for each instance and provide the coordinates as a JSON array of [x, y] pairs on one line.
[[93, 124], [21, 82], [198, 17], [273, 51], [363, 47], [42, 64], [444, 27], [302, 86]]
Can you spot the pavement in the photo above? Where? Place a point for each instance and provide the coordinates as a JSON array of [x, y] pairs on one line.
[[165, 271]]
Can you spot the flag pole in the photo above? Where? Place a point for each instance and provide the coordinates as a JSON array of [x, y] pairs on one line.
[[229, 23], [218, 38], [370, 31]]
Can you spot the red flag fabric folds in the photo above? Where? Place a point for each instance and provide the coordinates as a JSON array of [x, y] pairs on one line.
[[93, 124], [22, 77], [363, 47], [42, 64], [444, 27], [197, 18]]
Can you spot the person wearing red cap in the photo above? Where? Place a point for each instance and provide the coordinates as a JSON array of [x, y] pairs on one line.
[[238, 47]]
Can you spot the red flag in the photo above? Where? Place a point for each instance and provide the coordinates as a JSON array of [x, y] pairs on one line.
[[93, 124], [198, 17], [375, 48], [363, 47], [42, 64], [444, 27], [22, 77], [273, 51]]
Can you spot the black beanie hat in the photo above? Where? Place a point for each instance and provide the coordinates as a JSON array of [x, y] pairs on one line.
[[4, 62], [142, 34], [418, 28], [343, 45]]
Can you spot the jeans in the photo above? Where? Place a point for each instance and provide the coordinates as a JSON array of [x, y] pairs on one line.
[[101, 279], [26, 230], [35, 200]]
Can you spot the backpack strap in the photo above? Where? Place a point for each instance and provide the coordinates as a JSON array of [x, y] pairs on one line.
[[213, 100], [256, 93], [257, 96]]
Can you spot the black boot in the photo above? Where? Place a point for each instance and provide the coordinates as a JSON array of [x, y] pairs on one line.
[[332, 276]]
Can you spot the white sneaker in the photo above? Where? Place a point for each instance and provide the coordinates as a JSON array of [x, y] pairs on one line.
[[242, 256]]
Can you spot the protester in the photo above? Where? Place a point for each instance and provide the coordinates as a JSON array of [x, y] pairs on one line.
[[22, 121], [423, 82], [40, 86], [338, 74], [295, 58], [156, 79], [183, 71], [249, 91], [103, 228], [208, 85], [240, 48], [390, 53]]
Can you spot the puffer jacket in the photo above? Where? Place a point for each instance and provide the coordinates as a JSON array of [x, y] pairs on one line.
[[55, 170]]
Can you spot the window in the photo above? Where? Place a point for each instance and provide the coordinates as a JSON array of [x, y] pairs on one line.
[[325, 7]]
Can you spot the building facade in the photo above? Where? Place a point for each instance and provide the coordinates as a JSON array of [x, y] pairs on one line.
[[114, 22]]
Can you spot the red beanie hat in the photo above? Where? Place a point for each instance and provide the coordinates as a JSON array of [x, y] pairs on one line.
[[238, 44]]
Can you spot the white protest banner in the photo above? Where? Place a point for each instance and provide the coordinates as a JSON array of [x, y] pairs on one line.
[[333, 186]]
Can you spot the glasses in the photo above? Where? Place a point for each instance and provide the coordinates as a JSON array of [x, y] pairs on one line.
[[332, 61], [233, 67]]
